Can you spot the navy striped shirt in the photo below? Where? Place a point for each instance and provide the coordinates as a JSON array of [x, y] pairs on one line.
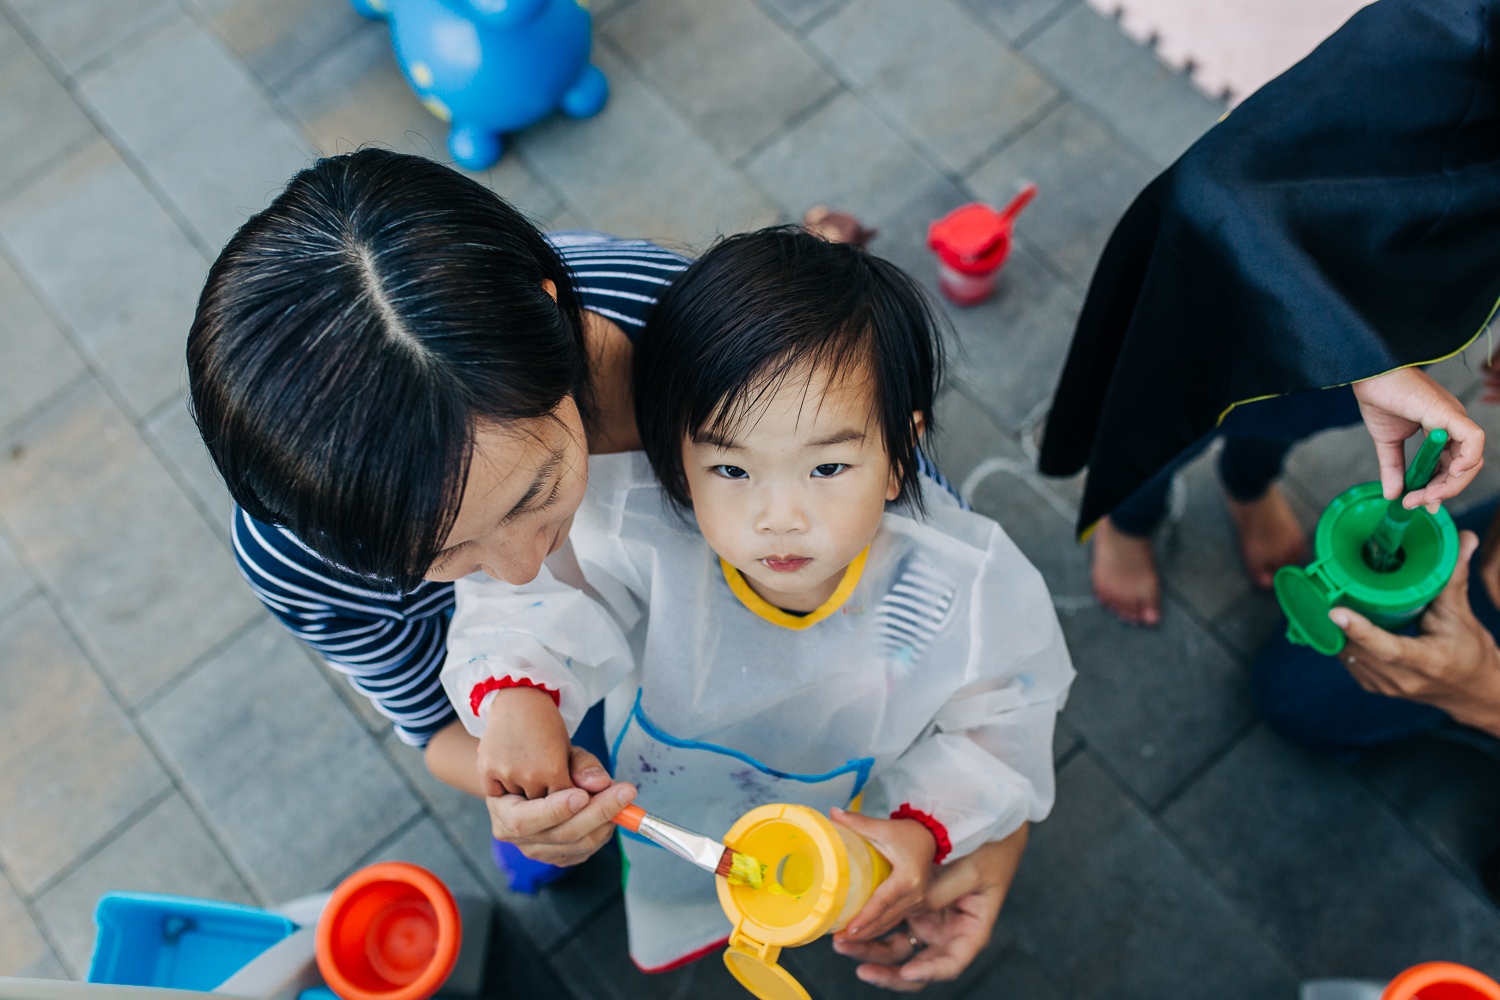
[[391, 647]]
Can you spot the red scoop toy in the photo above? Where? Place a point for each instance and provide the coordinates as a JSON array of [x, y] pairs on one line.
[[971, 243]]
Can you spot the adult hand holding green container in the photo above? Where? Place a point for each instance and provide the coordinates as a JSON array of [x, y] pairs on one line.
[[1371, 555]]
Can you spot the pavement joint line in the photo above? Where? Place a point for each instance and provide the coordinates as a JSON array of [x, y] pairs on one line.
[[1017, 132], [402, 829], [119, 48], [276, 85], [1208, 763], [20, 184], [48, 401], [42, 927], [614, 10], [742, 162], [1042, 23], [1079, 746], [823, 16], [151, 698], [94, 849]]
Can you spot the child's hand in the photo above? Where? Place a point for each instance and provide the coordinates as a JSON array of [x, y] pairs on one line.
[[909, 847], [524, 749]]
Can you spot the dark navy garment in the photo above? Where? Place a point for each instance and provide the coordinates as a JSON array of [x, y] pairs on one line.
[[391, 647], [1312, 700]]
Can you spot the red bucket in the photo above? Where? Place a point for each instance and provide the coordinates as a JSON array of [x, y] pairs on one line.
[[389, 932], [1441, 981]]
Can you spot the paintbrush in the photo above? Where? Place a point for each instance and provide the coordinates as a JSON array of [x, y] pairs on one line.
[[705, 852]]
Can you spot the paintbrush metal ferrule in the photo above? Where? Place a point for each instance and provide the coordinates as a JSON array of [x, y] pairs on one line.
[[705, 852]]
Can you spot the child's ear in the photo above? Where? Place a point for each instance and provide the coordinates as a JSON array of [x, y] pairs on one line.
[[919, 422], [893, 485]]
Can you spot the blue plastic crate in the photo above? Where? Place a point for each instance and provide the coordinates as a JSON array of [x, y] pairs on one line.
[[147, 939]]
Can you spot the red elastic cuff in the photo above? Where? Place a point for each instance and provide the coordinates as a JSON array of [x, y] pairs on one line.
[[484, 687], [939, 831]]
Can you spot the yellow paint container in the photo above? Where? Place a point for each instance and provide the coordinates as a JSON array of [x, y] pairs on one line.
[[818, 876]]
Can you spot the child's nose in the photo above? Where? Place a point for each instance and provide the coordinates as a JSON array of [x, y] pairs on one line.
[[782, 514]]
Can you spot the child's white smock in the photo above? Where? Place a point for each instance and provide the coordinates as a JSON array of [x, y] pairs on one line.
[[927, 686]]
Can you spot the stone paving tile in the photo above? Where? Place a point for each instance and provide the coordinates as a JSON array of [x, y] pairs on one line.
[[280, 37], [1017, 976], [105, 527], [1463, 373], [356, 96], [735, 74], [38, 118], [296, 789], [845, 156], [1446, 790], [167, 851], [1358, 896], [77, 32], [38, 358], [425, 845], [596, 964], [113, 266], [1247, 623], [1124, 83], [955, 87], [71, 766], [599, 166], [552, 915], [1154, 704], [15, 583], [1086, 176], [23, 950], [175, 435], [1323, 466], [193, 117], [966, 436], [1199, 555], [1014, 18], [1009, 350], [1110, 907]]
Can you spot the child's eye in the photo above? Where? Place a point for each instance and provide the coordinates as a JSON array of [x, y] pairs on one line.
[[731, 472], [829, 469]]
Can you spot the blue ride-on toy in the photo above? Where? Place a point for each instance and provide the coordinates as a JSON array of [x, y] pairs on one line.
[[490, 67]]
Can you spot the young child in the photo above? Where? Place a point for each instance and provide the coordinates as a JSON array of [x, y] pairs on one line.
[[772, 605]]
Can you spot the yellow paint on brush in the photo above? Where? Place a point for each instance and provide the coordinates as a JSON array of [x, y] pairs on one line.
[[747, 871]]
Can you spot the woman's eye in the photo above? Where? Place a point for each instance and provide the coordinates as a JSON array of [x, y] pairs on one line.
[[829, 469], [731, 472]]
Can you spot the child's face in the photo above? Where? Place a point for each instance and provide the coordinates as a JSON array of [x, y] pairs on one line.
[[798, 490]]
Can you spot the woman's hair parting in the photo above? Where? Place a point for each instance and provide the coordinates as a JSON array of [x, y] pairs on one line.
[[761, 307], [350, 338]]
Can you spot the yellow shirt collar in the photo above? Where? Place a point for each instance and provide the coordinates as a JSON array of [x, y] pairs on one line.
[[771, 613]]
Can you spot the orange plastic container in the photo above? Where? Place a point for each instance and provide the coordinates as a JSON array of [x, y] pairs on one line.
[[1441, 981], [389, 932]]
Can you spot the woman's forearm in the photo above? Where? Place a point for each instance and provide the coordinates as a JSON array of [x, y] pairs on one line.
[[451, 756]]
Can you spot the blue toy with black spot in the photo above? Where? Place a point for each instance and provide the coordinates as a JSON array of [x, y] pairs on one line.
[[493, 66]]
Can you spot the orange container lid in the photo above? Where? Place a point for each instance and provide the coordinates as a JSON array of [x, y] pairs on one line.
[[389, 932], [1441, 981]]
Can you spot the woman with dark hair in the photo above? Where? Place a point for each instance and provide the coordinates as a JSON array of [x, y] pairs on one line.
[[400, 380]]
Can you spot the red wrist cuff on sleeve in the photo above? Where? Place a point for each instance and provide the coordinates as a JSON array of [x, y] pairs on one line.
[[939, 831], [484, 687]]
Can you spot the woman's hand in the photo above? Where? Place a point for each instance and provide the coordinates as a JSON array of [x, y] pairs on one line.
[[566, 827], [1452, 664], [909, 847], [1397, 405], [958, 916]]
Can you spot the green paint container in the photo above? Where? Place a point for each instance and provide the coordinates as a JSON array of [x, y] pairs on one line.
[[1341, 574]]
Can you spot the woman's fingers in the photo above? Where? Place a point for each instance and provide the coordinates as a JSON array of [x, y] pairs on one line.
[[515, 818]]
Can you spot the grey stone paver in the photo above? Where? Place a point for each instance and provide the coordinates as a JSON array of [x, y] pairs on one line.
[[1098, 871], [1086, 178], [78, 32], [1354, 894], [596, 163], [89, 506], [1143, 100], [252, 771], [193, 116], [166, 850], [242, 730], [112, 265], [38, 120], [39, 359], [701, 54], [23, 950], [931, 66], [71, 766]]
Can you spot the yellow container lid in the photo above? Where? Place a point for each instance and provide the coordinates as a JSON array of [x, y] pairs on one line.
[[806, 884]]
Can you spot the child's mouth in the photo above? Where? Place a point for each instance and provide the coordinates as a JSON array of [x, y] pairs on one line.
[[785, 564]]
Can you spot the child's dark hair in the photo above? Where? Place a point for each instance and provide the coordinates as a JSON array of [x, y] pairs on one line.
[[760, 306], [350, 337]]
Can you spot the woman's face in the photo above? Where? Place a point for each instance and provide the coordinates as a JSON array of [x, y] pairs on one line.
[[525, 481]]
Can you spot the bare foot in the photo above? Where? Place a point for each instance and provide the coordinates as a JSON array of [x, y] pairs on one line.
[[1270, 536], [1125, 577]]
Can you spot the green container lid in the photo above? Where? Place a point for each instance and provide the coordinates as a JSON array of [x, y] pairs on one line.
[[1340, 574]]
